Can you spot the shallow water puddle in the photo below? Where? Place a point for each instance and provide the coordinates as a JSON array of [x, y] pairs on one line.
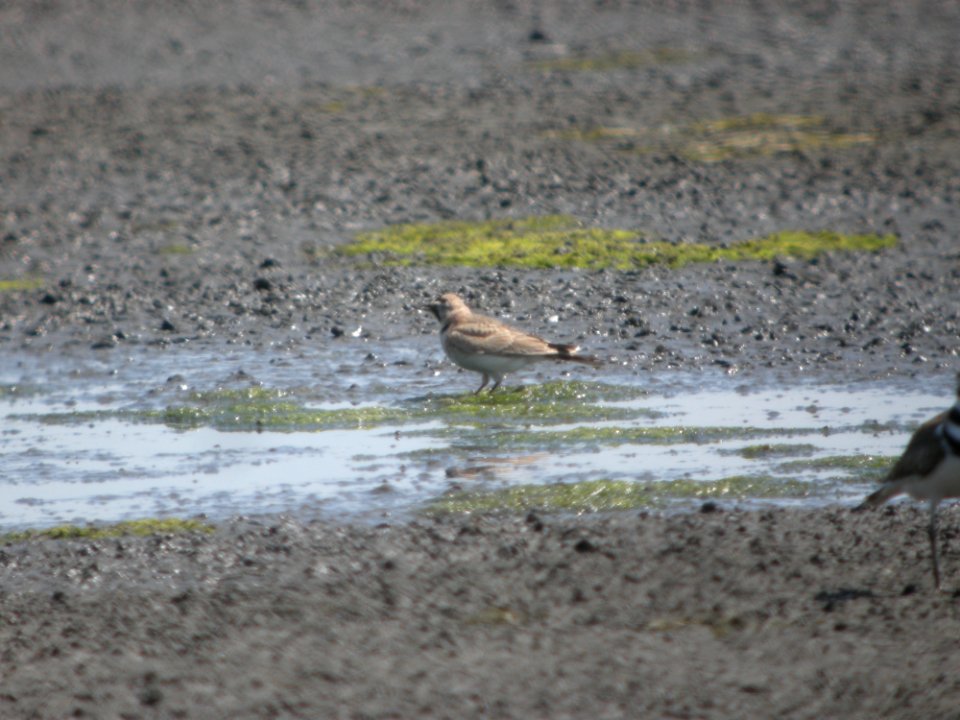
[[109, 438]]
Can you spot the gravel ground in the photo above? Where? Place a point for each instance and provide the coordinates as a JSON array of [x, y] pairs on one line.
[[180, 175]]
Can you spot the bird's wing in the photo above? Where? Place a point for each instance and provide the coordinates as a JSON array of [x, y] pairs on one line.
[[924, 452], [491, 337]]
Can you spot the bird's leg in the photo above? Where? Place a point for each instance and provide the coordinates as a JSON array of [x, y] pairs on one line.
[[486, 379], [932, 532], [496, 384]]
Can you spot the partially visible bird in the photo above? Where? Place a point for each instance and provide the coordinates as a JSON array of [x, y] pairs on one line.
[[929, 469], [490, 347]]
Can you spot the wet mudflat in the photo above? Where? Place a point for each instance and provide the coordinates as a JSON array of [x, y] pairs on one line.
[[178, 191]]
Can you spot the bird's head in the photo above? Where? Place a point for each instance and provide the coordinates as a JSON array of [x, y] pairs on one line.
[[446, 305]]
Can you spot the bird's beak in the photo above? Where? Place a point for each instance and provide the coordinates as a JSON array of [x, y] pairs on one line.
[[434, 308]]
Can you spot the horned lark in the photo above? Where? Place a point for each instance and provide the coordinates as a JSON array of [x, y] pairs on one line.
[[929, 469], [490, 347]]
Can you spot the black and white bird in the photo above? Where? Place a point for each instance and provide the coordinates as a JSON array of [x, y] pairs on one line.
[[929, 469]]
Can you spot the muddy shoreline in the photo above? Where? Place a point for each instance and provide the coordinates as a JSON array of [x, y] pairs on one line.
[[181, 178], [795, 613]]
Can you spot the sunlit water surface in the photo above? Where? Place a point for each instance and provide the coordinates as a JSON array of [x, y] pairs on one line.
[[108, 469]]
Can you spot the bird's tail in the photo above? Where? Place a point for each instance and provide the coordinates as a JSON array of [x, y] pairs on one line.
[[569, 352], [879, 497]]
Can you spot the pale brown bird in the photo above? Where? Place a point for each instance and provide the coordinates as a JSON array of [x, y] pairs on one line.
[[490, 347], [929, 469]]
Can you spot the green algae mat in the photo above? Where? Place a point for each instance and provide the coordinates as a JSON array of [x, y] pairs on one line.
[[561, 241], [136, 528]]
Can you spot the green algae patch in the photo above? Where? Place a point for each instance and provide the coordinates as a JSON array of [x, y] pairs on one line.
[[267, 409], [277, 417], [768, 450], [20, 284], [613, 495], [243, 410], [804, 245], [872, 464], [764, 134], [547, 403], [277, 410], [589, 496], [739, 137], [554, 391], [611, 436], [497, 615], [757, 121], [333, 107], [615, 60], [74, 417], [149, 526], [559, 241], [547, 241]]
